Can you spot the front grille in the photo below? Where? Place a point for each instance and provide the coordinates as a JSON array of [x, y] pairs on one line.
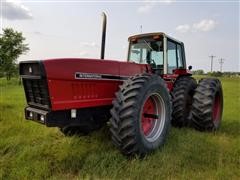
[[36, 91], [35, 83]]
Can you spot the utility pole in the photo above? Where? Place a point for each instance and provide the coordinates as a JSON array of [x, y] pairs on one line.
[[221, 61], [140, 28], [212, 56]]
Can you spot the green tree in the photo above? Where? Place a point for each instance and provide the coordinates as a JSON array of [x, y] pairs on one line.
[[11, 47]]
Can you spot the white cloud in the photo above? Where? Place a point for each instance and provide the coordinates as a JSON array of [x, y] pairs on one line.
[[205, 25], [90, 44], [15, 10], [149, 5], [183, 28], [146, 7]]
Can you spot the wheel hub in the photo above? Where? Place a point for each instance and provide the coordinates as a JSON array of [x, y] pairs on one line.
[[148, 117], [153, 117]]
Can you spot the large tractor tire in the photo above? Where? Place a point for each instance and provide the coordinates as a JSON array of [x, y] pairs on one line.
[[182, 98], [141, 115], [207, 105]]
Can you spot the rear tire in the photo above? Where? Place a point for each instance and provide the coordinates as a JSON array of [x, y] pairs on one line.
[[141, 115], [207, 105], [182, 95]]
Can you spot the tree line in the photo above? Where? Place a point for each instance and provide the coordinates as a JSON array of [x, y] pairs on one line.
[[216, 73]]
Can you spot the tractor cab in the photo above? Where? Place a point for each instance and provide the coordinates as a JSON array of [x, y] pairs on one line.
[[164, 54]]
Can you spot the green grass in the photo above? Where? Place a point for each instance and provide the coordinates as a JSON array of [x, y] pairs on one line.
[[29, 150]]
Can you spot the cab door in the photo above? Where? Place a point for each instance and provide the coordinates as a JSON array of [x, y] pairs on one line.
[[174, 53]]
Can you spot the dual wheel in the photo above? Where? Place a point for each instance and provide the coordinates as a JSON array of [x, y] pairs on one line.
[[142, 110], [197, 105]]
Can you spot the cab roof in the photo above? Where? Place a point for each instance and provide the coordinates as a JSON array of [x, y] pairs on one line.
[[153, 34]]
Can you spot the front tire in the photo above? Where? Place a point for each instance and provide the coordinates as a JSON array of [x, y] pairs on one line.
[[207, 105], [141, 115]]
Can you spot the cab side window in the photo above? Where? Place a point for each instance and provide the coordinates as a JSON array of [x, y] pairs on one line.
[[172, 56], [179, 56]]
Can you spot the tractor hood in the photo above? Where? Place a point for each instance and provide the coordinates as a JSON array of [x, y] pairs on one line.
[[74, 68], [74, 83]]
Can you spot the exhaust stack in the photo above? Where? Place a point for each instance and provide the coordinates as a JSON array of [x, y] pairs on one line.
[[104, 25]]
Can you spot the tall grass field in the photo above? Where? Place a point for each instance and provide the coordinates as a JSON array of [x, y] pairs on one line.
[[29, 150]]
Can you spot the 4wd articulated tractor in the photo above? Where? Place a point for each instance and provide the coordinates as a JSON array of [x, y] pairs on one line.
[[140, 98]]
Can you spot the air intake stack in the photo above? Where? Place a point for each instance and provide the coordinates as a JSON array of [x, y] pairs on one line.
[[104, 25]]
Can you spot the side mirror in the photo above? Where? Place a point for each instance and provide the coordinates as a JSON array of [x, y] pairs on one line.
[[189, 68]]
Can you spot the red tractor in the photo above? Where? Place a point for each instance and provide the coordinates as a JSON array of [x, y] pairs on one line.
[[142, 97]]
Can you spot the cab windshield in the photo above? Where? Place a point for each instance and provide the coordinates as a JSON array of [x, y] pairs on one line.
[[147, 51]]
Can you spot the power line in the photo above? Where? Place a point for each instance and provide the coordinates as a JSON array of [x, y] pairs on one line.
[[212, 56], [221, 61]]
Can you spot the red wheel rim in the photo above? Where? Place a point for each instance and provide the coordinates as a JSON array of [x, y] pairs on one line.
[[148, 122], [216, 108], [153, 117], [149, 116]]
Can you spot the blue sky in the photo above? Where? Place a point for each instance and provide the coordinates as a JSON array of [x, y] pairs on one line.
[[73, 29]]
